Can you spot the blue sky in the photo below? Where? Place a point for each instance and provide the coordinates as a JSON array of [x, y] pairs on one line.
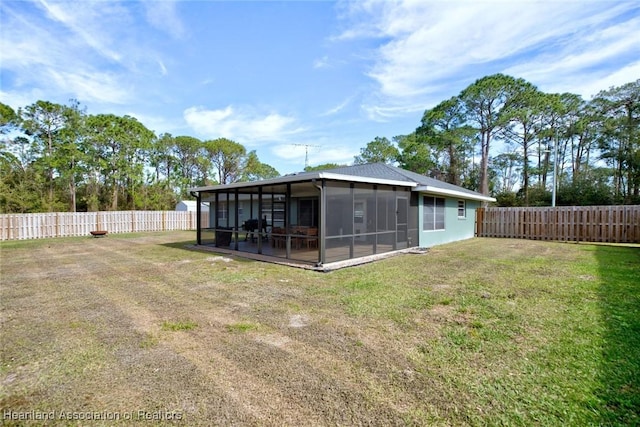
[[276, 75]]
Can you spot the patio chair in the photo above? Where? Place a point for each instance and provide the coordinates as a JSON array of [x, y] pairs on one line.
[[278, 239], [312, 237]]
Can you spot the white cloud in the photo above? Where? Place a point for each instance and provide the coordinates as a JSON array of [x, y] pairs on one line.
[[244, 125], [86, 20], [620, 77], [319, 152], [90, 86], [159, 124], [163, 68], [163, 16], [25, 44], [424, 43], [556, 78], [387, 111], [39, 67], [595, 58], [321, 62], [337, 108], [340, 155], [91, 51], [48, 66], [20, 99]]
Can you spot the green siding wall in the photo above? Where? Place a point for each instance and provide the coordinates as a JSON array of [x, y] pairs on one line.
[[454, 228]]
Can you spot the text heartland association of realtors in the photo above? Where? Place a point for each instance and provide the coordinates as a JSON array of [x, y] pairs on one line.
[[90, 415]]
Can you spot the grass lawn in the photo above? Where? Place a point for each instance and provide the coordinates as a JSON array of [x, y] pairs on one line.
[[480, 332]]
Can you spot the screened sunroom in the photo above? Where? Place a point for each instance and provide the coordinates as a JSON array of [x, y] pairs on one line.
[[315, 218]]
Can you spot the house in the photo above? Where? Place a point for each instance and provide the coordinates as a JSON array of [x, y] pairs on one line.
[[342, 215], [190, 206]]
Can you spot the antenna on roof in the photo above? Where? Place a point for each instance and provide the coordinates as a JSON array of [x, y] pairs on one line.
[[306, 152]]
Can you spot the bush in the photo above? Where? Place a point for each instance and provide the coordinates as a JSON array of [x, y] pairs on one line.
[[584, 193], [508, 199]]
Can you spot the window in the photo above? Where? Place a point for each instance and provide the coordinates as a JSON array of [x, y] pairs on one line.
[[308, 212], [222, 210], [358, 212], [462, 209], [276, 207], [433, 217]]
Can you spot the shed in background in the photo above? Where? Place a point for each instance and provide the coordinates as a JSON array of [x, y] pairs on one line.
[[190, 206]]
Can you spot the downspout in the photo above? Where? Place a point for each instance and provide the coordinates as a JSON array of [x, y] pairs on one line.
[[287, 220], [236, 217], [260, 223], [198, 216], [321, 222]]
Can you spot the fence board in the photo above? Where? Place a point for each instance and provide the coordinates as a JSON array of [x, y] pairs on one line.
[[611, 224], [67, 224]]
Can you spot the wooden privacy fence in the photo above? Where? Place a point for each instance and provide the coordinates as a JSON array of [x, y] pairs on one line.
[[613, 224], [63, 224]]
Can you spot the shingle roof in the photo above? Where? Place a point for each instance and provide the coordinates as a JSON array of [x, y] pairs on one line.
[[376, 172], [384, 171]]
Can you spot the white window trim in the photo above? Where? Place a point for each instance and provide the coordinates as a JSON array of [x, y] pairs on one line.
[[435, 230], [464, 208]]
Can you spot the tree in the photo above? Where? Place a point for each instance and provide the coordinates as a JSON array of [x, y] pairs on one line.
[[9, 162], [508, 167], [72, 158], [120, 146], [587, 192], [8, 119], [414, 154], [484, 101], [42, 122], [523, 123], [580, 129], [227, 157], [162, 158], [620, 136], [155, 195], [253, 169], [20, 188], [448, 138], [380, 150], [324, 166], [191, 162], [56, 147]]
